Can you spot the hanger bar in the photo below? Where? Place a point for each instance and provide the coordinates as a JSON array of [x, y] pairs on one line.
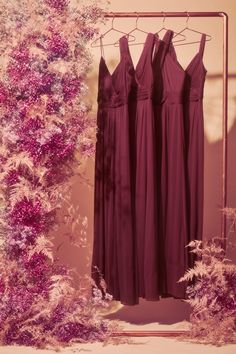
[[166, 14]]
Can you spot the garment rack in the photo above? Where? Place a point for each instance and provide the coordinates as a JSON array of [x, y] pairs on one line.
[[224, 16]]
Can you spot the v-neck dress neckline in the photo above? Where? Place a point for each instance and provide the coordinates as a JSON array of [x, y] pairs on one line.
[[124, 39]]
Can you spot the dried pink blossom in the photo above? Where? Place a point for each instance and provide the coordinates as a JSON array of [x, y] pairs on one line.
[[56, 47], [71, 86], [58, 5], [30, 213], [39, 136]]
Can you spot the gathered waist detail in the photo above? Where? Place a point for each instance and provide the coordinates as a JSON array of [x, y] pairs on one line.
[[194, 96], [143, 94], [170, 98], [113, 101]]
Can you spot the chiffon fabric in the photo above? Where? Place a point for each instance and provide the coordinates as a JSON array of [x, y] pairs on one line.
[[194, 137], [146, 177], [148, 197], [169, 81], [114, 255]]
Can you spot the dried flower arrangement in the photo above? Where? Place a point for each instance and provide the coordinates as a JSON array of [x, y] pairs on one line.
[[212, 296], [44, 123]]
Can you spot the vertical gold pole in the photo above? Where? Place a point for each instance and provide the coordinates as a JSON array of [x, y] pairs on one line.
[[224, 123]]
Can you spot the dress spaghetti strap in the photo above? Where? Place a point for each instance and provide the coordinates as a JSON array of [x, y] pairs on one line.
[[102, 47], [167, 43], [162, 47], [202, 45], [123, 44], [145, 61]]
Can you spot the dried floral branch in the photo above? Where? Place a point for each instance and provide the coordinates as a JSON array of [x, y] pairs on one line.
[[212, 295], [44, 126]]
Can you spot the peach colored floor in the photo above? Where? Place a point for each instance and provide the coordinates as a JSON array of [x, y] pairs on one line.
[[141, 345]]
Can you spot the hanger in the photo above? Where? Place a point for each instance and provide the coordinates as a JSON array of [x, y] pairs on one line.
[[187, 28], [175, 33], [136, 28], [93, 44]]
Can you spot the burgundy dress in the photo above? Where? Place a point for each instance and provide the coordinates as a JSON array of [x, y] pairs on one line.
[[146, 177], [172, 219], [194, 130], [114, 256]]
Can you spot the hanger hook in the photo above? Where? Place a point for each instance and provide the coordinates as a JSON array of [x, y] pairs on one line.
[[164, 18], [187, 14], [112, 20], [137, 19]]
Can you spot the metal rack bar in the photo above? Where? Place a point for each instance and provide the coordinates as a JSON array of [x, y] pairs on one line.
[[166, 14]]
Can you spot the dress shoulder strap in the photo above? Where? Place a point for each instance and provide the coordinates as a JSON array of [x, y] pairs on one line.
[[143, 71], [168, 38], [101, 47], [146, 54], [167, 44], [202, 44], [123, 44]]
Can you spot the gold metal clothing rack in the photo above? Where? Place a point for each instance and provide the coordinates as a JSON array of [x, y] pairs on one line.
[[224, 16]]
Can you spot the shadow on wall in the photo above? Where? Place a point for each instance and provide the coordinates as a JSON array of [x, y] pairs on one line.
[[78, 256], [213, 187]]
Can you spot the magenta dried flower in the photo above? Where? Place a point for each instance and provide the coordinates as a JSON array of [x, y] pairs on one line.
[[3, 159], [30, 213], [12, 177], [30, 77], [39, 270], [15, 336], [20, 299], [22, 236], [32, 125], [17, 72], [71, 86], [52, 107], [33, 87], [70, 330], [58, 149], [21, 53], [88, 33], [91, 13], [56, 47], [37, 265], [22, 111], [47, 81], [13, 251], [58, 314], [3, 94], [19, 63], [2, 286], [58, 5]]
